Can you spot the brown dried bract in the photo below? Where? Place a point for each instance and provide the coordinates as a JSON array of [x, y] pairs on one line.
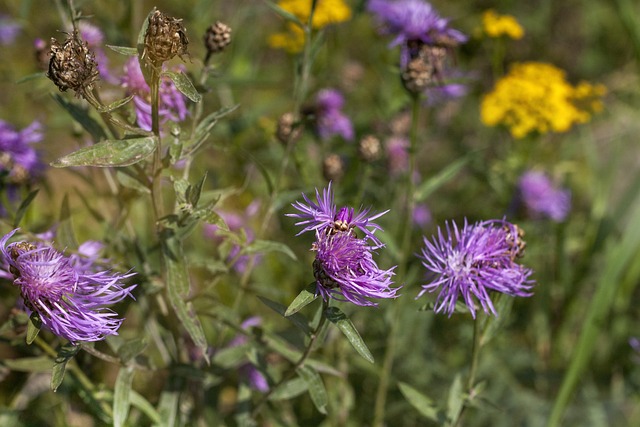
[[72, 64], [165, 38]]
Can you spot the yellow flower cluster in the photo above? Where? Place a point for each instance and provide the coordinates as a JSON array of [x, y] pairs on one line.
[[327, 12], [535, 96], [495, 25]]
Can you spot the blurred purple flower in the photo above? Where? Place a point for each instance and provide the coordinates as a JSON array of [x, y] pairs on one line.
[[330, 120], [253, 376], [9, 30], [446, 92], [94, 37], [19, 160], [323, 216], [397, 155], [70, 299], [542, 199], [421, 215], [172, 102], [473, 261]]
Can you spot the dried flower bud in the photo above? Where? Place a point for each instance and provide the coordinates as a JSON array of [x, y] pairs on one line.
[[417, 76], [333, 167], [217, 37], [289, 128], [369, 148], [165, 38], [72, 64]]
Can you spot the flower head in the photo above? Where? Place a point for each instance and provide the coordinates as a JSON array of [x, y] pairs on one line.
[[495, 25], [323, 216], [9, 30], [19, 161], [542, 198], [329, 118], [473, 261], [70, 296], [165, 38], [72, 64], [536, 97], [173, 104]]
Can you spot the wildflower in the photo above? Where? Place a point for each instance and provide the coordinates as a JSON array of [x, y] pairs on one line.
[[94, 37], [421, 215], [329, 118], [217, 37], [333, 167], [165, 38], [289, 128], [324, 217], [542, 198], [9, 30], [473, 261], [19, 161], [72, 64], [70, 296], [252, 375], [327, 12], [495, 25], [397, 155], [536, 97], [369, 148], [172, 102]]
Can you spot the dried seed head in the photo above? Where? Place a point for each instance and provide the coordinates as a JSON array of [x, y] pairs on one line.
[[42, 54], [289, 128], [72, 64], [333, 167], [369, 148], [217, 37], [417, 76], [165, 38]]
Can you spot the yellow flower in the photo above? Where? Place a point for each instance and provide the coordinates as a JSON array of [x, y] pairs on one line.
[[495, 25], [327, 12], [535, 97]]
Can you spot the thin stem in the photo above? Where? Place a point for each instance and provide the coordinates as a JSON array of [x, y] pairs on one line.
[[156, 187], [317, 332], [475, 356]]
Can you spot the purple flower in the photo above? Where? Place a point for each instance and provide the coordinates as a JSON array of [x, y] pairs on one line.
[[70, 298], [330, 120], [421, 215], [19, 159], [323, 216], [397, 155], [446, 92], [9, 30], [253, 376], [172, 102], [473, 261], [94, 37], [542, 199]]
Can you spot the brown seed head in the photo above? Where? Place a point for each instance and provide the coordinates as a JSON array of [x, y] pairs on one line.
[[165, 38], [418, 75], [333, 167], [289, 128], [72, 64], [217, 37], [369, 148]]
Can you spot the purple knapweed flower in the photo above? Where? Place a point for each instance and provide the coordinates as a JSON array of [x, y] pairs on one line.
[[18, 159], [473, 261], [9, 30], [323, 216], [541, 198], [397, 149], [330, 120], [251, 374], [421, 215], [173, 104], [344, 268], [70, 298]]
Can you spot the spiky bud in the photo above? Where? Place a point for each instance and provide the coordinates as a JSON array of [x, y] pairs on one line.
[[369, 148], [333, 167], [217, 37], [72, 64], [165, 38], [289, 128]]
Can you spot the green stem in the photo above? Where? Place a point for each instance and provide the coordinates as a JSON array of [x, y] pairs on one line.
[[317, 332], [156, 187], [475, 357]]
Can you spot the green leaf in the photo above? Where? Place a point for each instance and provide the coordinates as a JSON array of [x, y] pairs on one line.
[[336, 316], [192, 195], [131, 182], [122, 395], [110, 153], [285, 14], [445, 175], [231, 357], [94, 213], [203, 130], [302, 300], [65, 235], [33, 327], [22, 209], [115, 105], [124, 50], [81, 115], [178, 288], [28, 364], [456, 399], [265, 246], [297, 319], [315, 386], [141, 34], [130, 349], [65, 353], [422, 403], [290, 389], [183, 84], [145, 407]]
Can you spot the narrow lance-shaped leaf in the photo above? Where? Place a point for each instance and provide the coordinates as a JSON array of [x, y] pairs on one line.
[[303, 299], [116, 104], [336, 316], [81, 115], [446, 174], [122, 395], [264, 246], [297, 319], [110, 153], [184, 85], [33, 327], [124, 50], [289, 389], [65, 354], [455, 402], [22, 209], [419, 401], [317, 391]]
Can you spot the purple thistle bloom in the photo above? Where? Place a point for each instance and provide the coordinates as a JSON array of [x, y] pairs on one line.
[[9, 30], [472, 261], [324, 217], [19, 158], [172, 102], [330, 120], [70, 299], [542, 198]]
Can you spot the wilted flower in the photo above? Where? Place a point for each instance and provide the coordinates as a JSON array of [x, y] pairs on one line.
[[536, 97], [327, 12], [72, 64], [70, 296], [329, 118], [172, 102], [19, 161], [165, 38], [472, 262], [94, 37], [495, 25], [217, 37], [9, 30], [542, 198]]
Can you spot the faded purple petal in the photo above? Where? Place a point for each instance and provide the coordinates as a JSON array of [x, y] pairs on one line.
[[542, 198]]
